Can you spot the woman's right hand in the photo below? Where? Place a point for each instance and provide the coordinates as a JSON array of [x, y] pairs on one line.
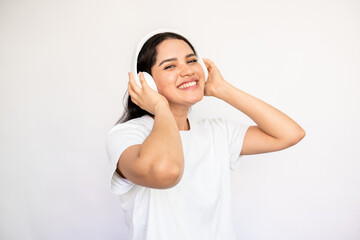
[[145, 97]]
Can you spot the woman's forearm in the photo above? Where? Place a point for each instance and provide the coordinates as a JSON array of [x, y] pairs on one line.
[[269, 119], [162, 149]]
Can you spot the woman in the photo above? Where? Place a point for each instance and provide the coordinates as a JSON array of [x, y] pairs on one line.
[[172, 172]]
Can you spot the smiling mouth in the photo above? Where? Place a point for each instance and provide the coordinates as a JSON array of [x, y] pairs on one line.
[[187, 85]]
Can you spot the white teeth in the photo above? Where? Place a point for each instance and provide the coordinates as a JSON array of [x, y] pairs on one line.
[[186, 85]]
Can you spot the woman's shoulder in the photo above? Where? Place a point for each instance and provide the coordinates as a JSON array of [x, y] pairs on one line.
[[144, 122]]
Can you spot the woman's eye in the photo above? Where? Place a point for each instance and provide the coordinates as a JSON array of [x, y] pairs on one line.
[[171, 66], [168, 67]]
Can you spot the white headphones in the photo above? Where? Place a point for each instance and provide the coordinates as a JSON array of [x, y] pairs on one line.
[[150, 81]]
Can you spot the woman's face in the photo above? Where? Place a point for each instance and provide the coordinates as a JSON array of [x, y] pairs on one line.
[[178, 75]]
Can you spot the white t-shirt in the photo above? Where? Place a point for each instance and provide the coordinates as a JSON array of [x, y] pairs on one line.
[[199, 206]]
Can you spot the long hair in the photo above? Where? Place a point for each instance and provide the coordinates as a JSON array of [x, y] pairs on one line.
[[146, 60]]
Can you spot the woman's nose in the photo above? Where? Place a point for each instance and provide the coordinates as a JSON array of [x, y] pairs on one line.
[[185, 69]]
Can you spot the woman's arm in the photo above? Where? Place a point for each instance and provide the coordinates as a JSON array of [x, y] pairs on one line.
[[274, 130], [159, 161]]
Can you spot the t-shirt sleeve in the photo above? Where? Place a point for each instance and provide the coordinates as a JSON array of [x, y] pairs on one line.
[[119, 138], [235, 138]]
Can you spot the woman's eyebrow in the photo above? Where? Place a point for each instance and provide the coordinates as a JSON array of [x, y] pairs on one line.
[[173, 59]]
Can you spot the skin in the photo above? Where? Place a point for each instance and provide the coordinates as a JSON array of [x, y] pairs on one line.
[[171, 74], [158, 162]]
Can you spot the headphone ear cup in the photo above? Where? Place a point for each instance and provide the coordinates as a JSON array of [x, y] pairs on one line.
[[149, 80], [201, 61]]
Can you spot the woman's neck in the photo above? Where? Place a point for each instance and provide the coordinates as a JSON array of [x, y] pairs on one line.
[[180, 115]]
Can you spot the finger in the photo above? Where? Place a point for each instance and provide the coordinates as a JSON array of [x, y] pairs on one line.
[[135, 87], [208, 63], [130, 88], [134, 101], [132, 93], [132, 81], [143, 80]]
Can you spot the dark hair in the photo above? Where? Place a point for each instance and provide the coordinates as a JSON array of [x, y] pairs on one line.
[[146, 60]]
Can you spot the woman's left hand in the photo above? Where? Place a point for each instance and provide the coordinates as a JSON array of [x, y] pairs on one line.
[[215, 81]]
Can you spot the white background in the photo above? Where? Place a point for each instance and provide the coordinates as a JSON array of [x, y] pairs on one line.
[[63, 74]]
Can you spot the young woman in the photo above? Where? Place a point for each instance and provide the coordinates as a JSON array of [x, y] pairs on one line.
[[172, 172]]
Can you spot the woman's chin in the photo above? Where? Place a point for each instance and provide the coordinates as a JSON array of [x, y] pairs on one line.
[[187, 101], [196, 99]]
